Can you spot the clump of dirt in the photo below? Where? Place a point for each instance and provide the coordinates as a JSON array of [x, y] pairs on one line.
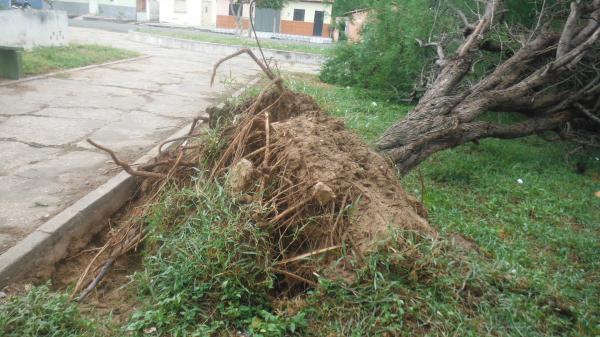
[[318, 188], [321, 149], [319, 185]]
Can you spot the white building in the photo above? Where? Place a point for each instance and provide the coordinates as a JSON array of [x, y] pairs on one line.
[[311, 18]]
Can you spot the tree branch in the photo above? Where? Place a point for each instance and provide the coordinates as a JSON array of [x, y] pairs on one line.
[[441, 61], [555, 68], [456, 69], [478, 130], [569, 31], [126, 167], [587, 112], [593, 22]]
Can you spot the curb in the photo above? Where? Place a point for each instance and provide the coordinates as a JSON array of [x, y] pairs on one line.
[[38, 252], [92, 66], [209, 47], [105, 19]]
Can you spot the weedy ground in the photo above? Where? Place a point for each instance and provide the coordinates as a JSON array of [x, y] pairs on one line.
[[47, 59], [518, 254]]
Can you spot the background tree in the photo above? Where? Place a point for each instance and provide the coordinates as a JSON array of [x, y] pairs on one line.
[[275, 4], [387, 59]]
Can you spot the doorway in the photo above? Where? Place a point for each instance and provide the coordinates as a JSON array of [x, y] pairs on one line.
[[318, 25]]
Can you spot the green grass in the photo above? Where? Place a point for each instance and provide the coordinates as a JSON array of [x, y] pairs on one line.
[[532, 268], [208, 274], [42, 313], [47, 59], [241, 41], [543, 234]]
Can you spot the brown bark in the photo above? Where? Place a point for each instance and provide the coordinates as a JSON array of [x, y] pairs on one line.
[[531, 81]]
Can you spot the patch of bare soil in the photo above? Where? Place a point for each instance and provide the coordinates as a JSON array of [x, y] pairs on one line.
[[111, 297]]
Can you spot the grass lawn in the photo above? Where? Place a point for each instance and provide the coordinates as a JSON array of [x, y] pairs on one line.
[[241, 41], [47, 59], [543, 233], [514, 259]]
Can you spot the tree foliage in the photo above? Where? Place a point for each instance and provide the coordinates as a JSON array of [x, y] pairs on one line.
[[275, 4], [389, 60], [340, 7]]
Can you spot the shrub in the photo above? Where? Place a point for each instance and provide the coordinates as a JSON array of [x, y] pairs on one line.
[[388, 58]]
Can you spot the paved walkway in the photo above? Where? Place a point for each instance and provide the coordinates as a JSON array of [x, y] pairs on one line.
[[45, 163]]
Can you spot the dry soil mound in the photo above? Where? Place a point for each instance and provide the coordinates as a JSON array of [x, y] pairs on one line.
[[318, 185]]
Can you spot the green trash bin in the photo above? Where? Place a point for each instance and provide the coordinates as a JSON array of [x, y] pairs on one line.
[[11, 62]]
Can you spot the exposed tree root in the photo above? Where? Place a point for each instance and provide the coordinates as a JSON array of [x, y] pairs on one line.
[[305, 173]]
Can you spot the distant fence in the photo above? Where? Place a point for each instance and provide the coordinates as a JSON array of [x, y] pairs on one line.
[[32, 28]]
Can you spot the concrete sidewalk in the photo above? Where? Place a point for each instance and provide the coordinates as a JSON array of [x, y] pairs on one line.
[[45, 163]]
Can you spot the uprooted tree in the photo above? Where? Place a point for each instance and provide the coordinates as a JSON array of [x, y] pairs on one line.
[[549, 74]]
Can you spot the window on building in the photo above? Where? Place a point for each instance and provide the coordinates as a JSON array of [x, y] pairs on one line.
[[233, 9], [299, 14], [180, 6]]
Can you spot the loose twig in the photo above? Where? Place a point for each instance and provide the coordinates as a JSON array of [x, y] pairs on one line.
[[587, 112], [262, 66], [307, 255], [440, 51], [294, 276], [105, 269]]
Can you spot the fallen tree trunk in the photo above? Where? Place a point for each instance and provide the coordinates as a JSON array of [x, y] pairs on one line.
[[550, 79]]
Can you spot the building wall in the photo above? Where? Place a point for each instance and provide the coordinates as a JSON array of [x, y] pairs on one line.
[[354, 25], [223, 8], [73, 7], [301, 28], [193, 14], [120, 9], [289, 26], [226, 21], [287, 13], [32, 28]]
